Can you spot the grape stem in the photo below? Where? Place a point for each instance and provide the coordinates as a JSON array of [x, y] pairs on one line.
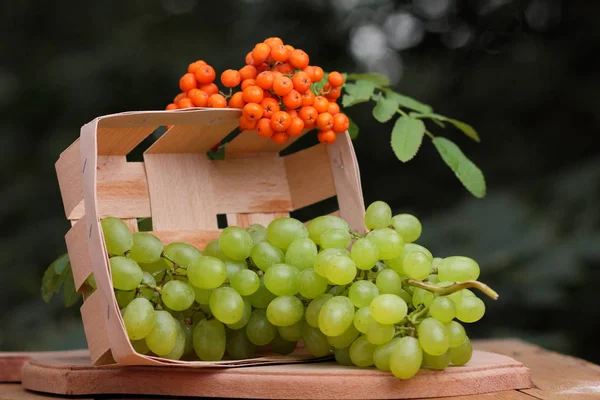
[[405, 331], [455, 287], [421, 311], [155, 288], [355, 235]]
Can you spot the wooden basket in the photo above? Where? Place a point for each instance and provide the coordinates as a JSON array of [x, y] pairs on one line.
[[183, 191]]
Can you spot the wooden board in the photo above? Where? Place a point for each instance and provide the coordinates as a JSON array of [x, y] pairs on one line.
[[11, 363]]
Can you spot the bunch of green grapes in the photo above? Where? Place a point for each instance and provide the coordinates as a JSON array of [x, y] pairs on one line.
[[377, 299]]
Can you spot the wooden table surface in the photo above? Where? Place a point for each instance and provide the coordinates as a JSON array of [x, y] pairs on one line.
[[555, 376]]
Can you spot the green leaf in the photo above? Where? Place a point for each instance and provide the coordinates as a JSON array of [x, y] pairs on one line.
[[466, 171], [358, 92], [353, 129], [316, 87], [70, 296], [53, 280], [409, 102], [407, 136], [347, 100], [385, 109], [377, 79], [463, 126], [61, 263]]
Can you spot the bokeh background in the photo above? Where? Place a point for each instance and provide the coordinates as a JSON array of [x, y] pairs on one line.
[[524, 73]]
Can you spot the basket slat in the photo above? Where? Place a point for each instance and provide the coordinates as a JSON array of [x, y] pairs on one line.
[[192, 139], [245, 220], [250, 142], [68, 172], [96, 334], [199, 239], [79, 254]]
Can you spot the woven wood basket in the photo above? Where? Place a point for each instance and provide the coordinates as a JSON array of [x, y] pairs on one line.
[[183, 191]]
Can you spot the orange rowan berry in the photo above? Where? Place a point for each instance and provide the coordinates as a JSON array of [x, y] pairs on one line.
[[252, 94], [265, 79], [327, 137], [296, 127], [262, 67], [185, 103], [187, 82], [285, 68], [282, 85], [325, 121], [179, 97], [319, 74], [205, 74], [335, 79], [273, 41], [333, 108], [263, 128], [321, 104], [248, 72], [301, 81], [308, 98], [171, 106], [280, 121], [280, 137], [252, 111], [290, 48], [198, 97], [247, 124], [217, 101], [280, 53], [341, 123], [260, 53], [248, 82], [334, 94], [230, 78], [292, 100], [270, 107], [310, 71], [195, 65], [299, 59], [308, 114], [209, 89], [293, 113], [249, 59], [237, 101]]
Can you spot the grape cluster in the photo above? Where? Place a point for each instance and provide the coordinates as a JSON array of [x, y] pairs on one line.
[[385, 302]]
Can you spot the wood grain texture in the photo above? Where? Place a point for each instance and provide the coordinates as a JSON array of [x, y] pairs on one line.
[[68, 172], [12, 362], [250, 142], [245, 220], [183, 139], [93, 311], [79, 253], [199, 239]]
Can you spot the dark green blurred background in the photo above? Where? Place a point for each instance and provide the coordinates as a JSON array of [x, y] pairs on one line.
[[524, 73]]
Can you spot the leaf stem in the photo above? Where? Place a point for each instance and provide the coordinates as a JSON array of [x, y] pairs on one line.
[[455, 287], [431, 135], [401, 111]]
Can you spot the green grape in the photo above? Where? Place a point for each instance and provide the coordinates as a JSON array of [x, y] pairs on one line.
[[364, 253], [281, 280], [324, 223], [470, 309], [458, 269], [388, 281], [340, 270], [177, 295], [315, 341], [435, 263], [456, 333], [342, 356], [442, 309], [233, 266], [293, 333], [202, 296], [198, 316], [179, 348], [314, 309], [91, 280], [138, 318], [140, 346], [436, 362], [396, 264], [408, 226], [245, 317], [345, 339], [311, 284], [207, 272], [406, 358], [209, 340], [410, 247], [236, 243], [388, 309], [378, 215], [362, 319], [285, 311], [461, 354], [124, 297], [433, 337], [259, 330], [361, 352], [265, 254], [238, 346], [417, 265], [335, 239], [388, 242], [281, 346], [283, 231], [213, 249], [362, 292], [117, 236], [226, 305], [336, 315], [262, 297], [245, 281], [126, 273], [189, 339], [382, 353], [301, 253], [433, 278], [257, 232], [146, 248], [148, 279], [379, 334], [163, 336], [422, 296], [181, 253], [320, 265], [160, 265]]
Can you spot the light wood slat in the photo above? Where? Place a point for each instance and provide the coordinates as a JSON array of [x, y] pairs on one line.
[[250, 142], [245, 220], [132, 224], [93, 313], [68, 172], [121, 141], [196, 238], [192, 138], [188, 116], [79, 254]]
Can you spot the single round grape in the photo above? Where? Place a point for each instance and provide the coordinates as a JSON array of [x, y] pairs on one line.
[[315, 341], [417, 265], [388, 242], [362, 319], [140, 346], [422, 296], [281, 346], [433, 278], [379, 334], [181, 253], [146, 248], [436, 362], [470, 309], [388, 281], [257, 232], [138, 318], [335, 238], [320, 265], [433, 337], [293, 333], [179, 347], [209, 340], [406, 358], [124, 297], [301, 253], [126, 273], [361, 352], [283, 231], [364, 253], [456, 296], [285, 311], [382, 353], [396, 264], [213, 249], [442, 309], [458, 269], [340, 270], [324, 223], [163, 336], [342, 356], [236, 243], [314, 309], [148, 279], [177, 295], [262, 297], [410, 247], [245, 317], [198, 316], [202, 296], [336, 315], [207, 272], [117, 236], [361, 293], [345, 339], [388, 309], [378, 215], [259, 330], [281, 280], [238, 346], [245, 282], [456, 333], [435, 263], [311, 284], [461, 354], [233, 266], [160, 265], [265, 254], [408, 226], [226, 305], [189, 339]]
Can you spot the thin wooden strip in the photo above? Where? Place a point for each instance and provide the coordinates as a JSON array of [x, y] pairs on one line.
[[132, 223], [120, 141], [245, 220], [93, 312], [250, 142], [309, 176], [189, 116], [192, 138], [199, 239], [68, 172], [79, 254]]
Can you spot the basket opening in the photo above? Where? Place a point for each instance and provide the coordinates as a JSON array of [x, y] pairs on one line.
[[137, 154], [323, 207], [222, 221], [305, 141]]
